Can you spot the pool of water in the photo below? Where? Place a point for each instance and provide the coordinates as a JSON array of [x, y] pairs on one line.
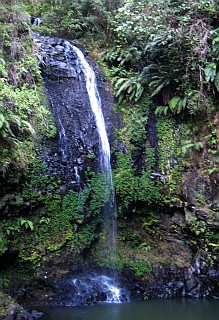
[[144, 310]]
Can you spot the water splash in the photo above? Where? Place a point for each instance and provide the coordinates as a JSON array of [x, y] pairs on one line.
[[96, 288]]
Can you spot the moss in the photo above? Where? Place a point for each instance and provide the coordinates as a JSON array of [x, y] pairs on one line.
[[53, 220]]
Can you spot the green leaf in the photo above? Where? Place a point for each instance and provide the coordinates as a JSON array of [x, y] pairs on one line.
[[166, 108], [188, 145], [215, 41], [173, 103], [161, 109], [26, 223], [199, 145], [181, 105], [159, 88], [119, 82], [124, 86], [30, 224], [23, 221], [210, 72], [28, 127], [216, 81], [2, 120], [139, 91]]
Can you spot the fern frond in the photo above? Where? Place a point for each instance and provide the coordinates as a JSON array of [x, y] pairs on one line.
[[125, 84], [173, 103], [216, 81], [159, 88]]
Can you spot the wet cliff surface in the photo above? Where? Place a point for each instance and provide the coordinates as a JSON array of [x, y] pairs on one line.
[[77, 144], [165, 257], [180, 262]]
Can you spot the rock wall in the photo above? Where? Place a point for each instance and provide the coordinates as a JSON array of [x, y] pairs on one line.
[[77, 144]]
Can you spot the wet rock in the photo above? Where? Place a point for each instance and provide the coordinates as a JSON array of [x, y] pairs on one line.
[[36, 314], [88, 288], [191, 281], [63, 189], [77, 136], [11, 310], [201, 214], [158, 176]]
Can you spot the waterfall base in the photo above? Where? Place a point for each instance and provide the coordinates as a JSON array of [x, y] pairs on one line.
[[90, 289]]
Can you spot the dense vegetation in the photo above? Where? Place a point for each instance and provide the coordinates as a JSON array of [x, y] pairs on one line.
[[162, 58]]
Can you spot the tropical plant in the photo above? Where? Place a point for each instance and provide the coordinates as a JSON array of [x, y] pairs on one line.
[[129, 88], [192, 102]]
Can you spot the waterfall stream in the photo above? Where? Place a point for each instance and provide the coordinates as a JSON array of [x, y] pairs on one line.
[[95, 104], [110, 212], [75, 108]]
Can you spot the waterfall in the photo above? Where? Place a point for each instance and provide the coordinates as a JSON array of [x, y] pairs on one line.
[[64, 64], [110, 212], [95, 103]]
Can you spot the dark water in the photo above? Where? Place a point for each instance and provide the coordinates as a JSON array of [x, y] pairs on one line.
[[147, 310]]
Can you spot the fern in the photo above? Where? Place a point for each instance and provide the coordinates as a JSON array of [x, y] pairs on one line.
[[138, 92], [210, 72], [181, 105], [2, 120], [173, 103], [159, 87], [216, 81], [121, 85], [129, 88], [188, 145], [28, 127], [199, 145], [161, 110]]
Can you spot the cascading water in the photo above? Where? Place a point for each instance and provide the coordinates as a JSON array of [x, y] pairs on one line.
[[102, 287], [110, 212], [65, 63]]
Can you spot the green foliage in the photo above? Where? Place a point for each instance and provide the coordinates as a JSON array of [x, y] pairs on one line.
[[210, 72], [28, 224], [189, 145], [100, 192], [197, 227], [166, 45], [193, 102], [129, 88], [22, 109], [76, 19], [58, 219], [120, 56], [141, 266], [125, 182], [164, 50]]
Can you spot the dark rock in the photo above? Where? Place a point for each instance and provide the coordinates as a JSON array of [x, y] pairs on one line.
[[36, 314], [78, 136], [191, 281], [202, 215]]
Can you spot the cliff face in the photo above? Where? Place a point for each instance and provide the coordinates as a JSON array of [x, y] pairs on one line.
[[77, 139], [168, 199]]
